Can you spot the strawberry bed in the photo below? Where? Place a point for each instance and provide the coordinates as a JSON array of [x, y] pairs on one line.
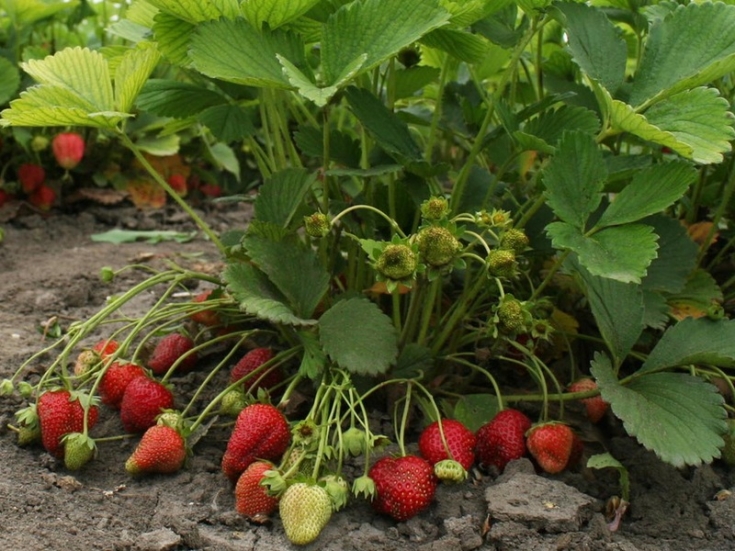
[[50, 272]]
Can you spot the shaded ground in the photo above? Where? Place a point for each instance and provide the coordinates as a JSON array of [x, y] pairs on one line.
[[49, 267]]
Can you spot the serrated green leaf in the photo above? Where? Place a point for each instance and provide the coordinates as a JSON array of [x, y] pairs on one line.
[[693, 46], [25, 13], [467, 12], [377, 29], [550, 125], [700, 293], [294, 269], [574, 178], [467, 47], [308, 89], [694, 341], [656, 309], [281, 196], [474, 410], [618, 310], [172, 37], [314, 360], [414, 358], [195, 11], [235, 51], [621, 252], [650, 191], [256, 295], [9, 80], [359, 337], [596, 44], [131, 74], [228, 122], [679, 417], [391, 133], [411, 80], [699, 118], [275, 12], [171, 98], [677, 256]]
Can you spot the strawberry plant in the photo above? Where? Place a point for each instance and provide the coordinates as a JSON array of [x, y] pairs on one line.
[[455, 199]]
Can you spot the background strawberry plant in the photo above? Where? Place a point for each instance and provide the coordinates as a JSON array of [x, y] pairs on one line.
[[460, 199]]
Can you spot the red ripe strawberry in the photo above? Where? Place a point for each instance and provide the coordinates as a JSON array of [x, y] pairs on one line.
[[142, 402], [31, 176], [115, 380], [43, 197], [106, 348], [59, 414], [205, 317], [249, 363], [460, 440], [68, 148], [575, 455], [169, 349], [595, 406], [178, 184], [261, 432], [550, 444], [211, 190], [502, 439], [404, 486], [251, 499], [161, 450]]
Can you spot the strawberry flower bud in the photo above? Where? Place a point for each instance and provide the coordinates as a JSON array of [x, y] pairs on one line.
[[68, 148], [6, 387], [510, 316]]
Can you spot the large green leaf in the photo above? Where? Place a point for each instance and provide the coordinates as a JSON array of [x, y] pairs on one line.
[[293, 268], [620, 252], [574, 178], [693, 46], [677, 256], [196, 11], [618, 310], [467, 47], [27, 12], [235, 51], [309, 89], [376, 29], [171, 98], [280, 197], [275, 12], [679, 417], [391, 133], [359, 337], [131, 74], [228, 122], [699, 118], [550, 125], [256, 295], [172, 36], [596, 44], [650, 191], [467, 12], [694, 341], [9, 80]]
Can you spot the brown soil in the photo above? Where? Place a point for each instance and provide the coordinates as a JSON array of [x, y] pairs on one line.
[[49, 268]]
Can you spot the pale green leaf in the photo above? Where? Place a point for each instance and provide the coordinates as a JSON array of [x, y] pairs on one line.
[[467, 47], [699, 118], [237, 52], [141, 12], [694, 341], [224, 157], [275, 12], [131, 74], [293, 268], [679, 417], [597, 46], [621, 252], [80, 71], [281, 196], [574, 178], [28, 12], [677, 256], [411, 80], [391, 133], [9, 80], [228, 122], [651, 190], [606, 460], [359, 337], [618, 311], [307, 88], [118, 236], [376, 28], [159, 145], [256, 295], [196, 11], [172, 37], [466, 12], [171, 98], [693, 46]]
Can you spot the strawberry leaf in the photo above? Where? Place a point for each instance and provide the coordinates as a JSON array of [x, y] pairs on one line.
[[275, 12], [679, 417], [359, 337]]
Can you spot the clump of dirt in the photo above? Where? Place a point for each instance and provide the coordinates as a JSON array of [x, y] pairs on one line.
[[49, 272]]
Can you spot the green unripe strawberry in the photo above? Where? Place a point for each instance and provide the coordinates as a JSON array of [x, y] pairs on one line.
[[435, 208], [305, 510], [397, 261], [514, 240], [511, 317], [233, 402], [501, 263], [438, 246], [316, 225], [79, 449]]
